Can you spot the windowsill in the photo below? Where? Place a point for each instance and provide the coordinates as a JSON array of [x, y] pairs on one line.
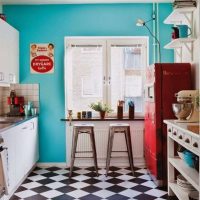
[[106, 119]]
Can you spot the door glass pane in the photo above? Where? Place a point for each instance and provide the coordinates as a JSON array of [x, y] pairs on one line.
[[86, 68], [127, 76]]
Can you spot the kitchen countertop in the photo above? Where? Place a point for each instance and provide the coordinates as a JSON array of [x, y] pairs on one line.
[[106, 119], [183, 127], [9, 122]]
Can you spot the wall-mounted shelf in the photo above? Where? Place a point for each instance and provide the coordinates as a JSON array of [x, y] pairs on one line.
[[181, 16], [178, 43]]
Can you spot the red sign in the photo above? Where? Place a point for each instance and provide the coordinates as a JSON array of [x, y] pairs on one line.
[[42, 64], [42, 58]]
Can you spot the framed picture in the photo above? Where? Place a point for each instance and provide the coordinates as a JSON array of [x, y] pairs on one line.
[[42, 58]]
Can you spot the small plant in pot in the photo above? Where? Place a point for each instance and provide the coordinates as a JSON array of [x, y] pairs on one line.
[[102, 108]]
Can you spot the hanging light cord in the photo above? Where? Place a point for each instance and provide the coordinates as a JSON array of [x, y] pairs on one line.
[[156, 41]]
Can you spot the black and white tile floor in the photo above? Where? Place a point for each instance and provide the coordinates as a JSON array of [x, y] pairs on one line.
[[53, 183]]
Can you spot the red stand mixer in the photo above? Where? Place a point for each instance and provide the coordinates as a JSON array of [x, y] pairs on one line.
[[16, 104]]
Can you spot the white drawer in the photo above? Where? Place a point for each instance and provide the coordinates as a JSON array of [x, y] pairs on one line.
[[175, 132], [188, 139], [195, 143], [181, 135], [169, 130]]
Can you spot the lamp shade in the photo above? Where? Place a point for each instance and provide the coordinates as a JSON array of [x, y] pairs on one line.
[[140, 22]]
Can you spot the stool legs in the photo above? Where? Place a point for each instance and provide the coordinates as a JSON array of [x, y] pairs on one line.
[[128, 144], [94, 150], [109, 150], [129, 148], [74, 145], [86, 130]]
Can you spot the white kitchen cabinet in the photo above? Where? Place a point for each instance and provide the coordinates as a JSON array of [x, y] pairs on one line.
[[8, 141], [26, 148], [22, 144], [9, 54]]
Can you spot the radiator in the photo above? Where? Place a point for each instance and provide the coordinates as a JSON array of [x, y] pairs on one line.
[[101, 138]]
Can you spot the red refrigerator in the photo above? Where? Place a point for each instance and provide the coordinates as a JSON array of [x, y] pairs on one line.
[[163, 80]]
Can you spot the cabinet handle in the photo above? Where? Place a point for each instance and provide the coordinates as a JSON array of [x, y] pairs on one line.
[[187, 141], [33, 126], [174, 133], [195, 145], [1, 76], [11, 78], [169, 130], [180, 137], [25, 127], [104, 80]]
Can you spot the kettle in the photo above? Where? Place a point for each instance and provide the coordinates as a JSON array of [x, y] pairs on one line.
[[175, 33]]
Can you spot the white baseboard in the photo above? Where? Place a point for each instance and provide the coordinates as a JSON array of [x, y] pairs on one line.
[[52, 164], [87, 162]]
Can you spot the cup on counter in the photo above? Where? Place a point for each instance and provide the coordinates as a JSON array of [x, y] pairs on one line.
[[78, 115], [89, 114], [26, 110], [84, 113], [33, 111]]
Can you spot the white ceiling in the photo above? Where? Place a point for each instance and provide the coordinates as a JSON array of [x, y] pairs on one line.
[[78, 1]]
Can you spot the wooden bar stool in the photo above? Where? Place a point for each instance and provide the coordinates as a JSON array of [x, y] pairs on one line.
[[119, 128], [79, 129]]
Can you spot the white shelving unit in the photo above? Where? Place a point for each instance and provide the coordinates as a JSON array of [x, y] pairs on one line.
[[181, 16], [178, 43], [190, 141], [177, 17]]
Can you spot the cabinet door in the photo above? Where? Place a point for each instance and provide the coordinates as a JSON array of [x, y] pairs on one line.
[[9, 141], [20, 152], [31, 144], [9, 54]]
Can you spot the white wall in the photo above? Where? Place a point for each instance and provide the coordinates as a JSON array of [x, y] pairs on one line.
[[196, 63], [1, 8], [194, 58]]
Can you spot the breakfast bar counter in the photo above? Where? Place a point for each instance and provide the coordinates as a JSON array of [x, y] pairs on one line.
[[101, 131], [105, 119]]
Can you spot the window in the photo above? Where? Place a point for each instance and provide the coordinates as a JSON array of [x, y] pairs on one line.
[[105, 69]]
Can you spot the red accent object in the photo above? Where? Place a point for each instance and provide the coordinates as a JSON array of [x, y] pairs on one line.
[[3, 16], [8, 100], [17, 100], [42, 64], [163, 80]]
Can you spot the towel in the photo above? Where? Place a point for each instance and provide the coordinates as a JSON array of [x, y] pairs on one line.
[[3, 174]]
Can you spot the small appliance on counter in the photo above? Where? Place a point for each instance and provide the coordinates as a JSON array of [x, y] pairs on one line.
[[186, 110], [16, 104]]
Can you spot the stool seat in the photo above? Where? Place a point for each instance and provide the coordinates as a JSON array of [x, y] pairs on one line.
[[119, 124], [80, 128], [84, 125], [119, 128]]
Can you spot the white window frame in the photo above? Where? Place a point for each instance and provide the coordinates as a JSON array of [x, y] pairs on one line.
[[106, 43]]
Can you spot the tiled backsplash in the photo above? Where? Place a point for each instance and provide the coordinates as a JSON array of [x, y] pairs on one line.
[[30, 92], [1, 100]]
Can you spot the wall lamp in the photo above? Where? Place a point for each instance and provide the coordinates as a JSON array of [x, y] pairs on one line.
[[141, 22]]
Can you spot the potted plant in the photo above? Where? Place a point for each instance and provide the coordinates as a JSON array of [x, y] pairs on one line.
[[102, 108]]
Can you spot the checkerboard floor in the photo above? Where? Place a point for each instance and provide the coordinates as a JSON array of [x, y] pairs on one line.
[[120, 184]]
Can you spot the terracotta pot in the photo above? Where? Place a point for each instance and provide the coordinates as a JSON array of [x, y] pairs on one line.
[[102, 114]]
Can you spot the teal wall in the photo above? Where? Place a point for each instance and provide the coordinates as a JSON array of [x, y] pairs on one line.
[[51, 23]]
